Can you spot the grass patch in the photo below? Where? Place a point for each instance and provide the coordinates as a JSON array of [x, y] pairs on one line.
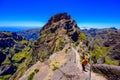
[[98, 52], [77, 43], [61, 43], [31, 76], [19, 56], [83, 37], [6, 61], [24, 42], [23, 66], [111, 62], [5, 77], [55, 68], [42, 56]]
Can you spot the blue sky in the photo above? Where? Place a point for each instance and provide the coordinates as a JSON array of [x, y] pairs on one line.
[[35, 13]]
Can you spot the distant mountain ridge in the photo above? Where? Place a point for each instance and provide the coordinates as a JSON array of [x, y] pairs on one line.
[[94, 31], [30, 34]]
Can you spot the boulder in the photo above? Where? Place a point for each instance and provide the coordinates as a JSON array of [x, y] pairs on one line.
[[109, 71]]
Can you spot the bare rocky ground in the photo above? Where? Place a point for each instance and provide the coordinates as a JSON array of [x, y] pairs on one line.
[[68, 67], [96, 76]]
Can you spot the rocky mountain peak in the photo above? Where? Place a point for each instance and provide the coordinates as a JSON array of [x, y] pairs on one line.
[[58, 17], [61, 20], [55, 34], [61, 24]]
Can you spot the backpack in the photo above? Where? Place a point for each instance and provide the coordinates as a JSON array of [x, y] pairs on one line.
[[84, 62]]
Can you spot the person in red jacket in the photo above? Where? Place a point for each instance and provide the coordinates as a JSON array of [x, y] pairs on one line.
[[84, 63]]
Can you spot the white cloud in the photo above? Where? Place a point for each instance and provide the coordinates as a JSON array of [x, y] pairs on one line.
[[98, 25]]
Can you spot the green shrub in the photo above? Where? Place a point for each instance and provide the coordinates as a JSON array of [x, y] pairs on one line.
[[42, 56], [19, 56], [36, 70], [24, 42], [31, 76], [66, 51], [83, 37], [61, 43], [98, 52], [111, 62], [55, 68], [77, 43]]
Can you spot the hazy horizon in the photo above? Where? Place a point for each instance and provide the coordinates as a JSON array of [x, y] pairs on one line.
[[40, 24], [22, 28]]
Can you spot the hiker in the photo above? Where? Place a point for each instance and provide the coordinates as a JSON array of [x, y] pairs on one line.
[[84, 63]]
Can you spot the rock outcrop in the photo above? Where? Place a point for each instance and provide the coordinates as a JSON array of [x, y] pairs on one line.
[[109, 71]]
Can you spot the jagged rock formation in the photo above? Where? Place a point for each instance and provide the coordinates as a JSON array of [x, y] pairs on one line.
[[110, 72], [53, 35], [13, 51]]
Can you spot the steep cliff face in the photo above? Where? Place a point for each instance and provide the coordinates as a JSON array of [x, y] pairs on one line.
[[59, 30]]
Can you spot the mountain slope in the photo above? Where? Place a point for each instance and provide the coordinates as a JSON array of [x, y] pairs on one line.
[[100, 43], [14, 53], [60, 66]]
